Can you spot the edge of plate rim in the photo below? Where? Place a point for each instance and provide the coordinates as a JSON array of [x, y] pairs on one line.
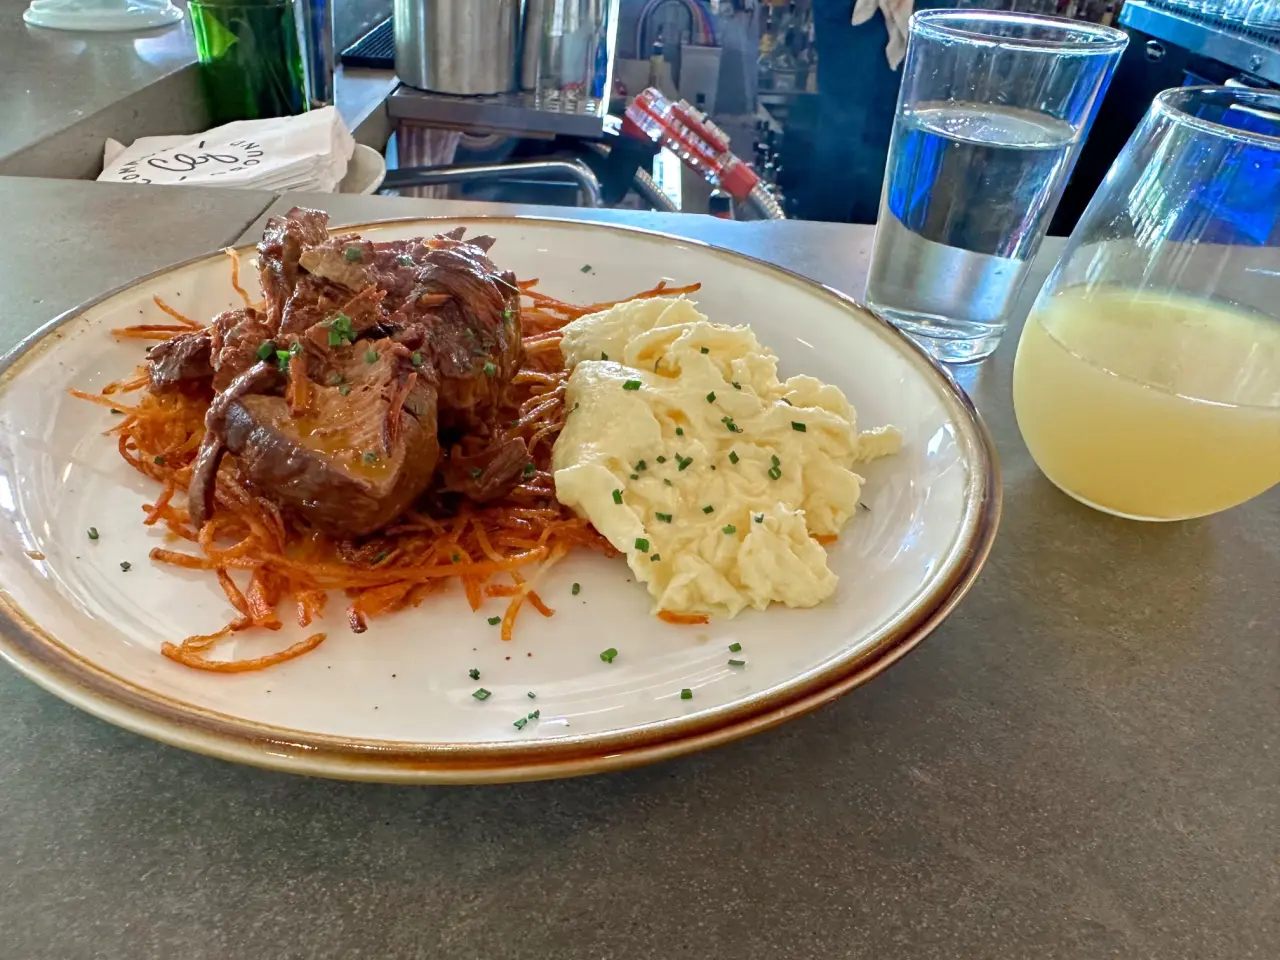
[[63, 672]]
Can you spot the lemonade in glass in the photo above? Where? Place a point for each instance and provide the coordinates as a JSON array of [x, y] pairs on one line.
[[1147, 379]]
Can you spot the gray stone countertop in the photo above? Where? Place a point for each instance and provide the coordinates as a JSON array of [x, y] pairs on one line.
[[1080, 763], [58, 80]]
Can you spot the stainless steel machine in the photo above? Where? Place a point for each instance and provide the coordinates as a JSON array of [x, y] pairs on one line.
[[518, 67]]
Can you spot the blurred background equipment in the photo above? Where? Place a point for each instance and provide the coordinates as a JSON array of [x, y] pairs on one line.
[[796, 92], [1170, 45]]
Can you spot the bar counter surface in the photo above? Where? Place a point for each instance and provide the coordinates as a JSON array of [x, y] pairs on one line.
[[1080, 763]]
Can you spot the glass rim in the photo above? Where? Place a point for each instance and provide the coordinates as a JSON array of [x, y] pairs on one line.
[[1077, 36], [1170, 103]]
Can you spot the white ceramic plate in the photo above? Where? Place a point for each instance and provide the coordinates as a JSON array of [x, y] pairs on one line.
[[396, 702]]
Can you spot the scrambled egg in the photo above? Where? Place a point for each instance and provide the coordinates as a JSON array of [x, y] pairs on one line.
[[713, 478]]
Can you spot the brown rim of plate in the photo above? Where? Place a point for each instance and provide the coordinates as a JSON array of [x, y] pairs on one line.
[[74, 678]]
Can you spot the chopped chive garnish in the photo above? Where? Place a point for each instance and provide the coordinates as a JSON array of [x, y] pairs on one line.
[[482, 694], [282, 359], [662, 459], [664, 517], [642, 544], [531, 695], [686, 694], [489, 369], [126, 566], [535, 715], [370, 457], [864, 506], [737, 663], [711, 397], [775, 473], [576, 589], [708, 509], [416, 358], [655, 557], [93, 533], [586, 268], [370, 356], [735, 647], [404, 260], [733, 457], [340, 330], [798, 427], [631, 385], [345, 389], [728, 422], [685, 462], [679, 431], [703, 350], [787, 402], [353, 254], [775, 461], [667, 482], [382, 555], [759, 518], [158, 458], [617, 496], [635, 476], [519, 723], [494, 621], [473, 673], [736, 384], [530, 469], [267, 350], [641, 465], [475, 473], [603, 355], [729, 528], [608, 655]]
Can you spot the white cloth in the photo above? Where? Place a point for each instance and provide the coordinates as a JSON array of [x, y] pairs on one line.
[[897, 16], [307, 152]]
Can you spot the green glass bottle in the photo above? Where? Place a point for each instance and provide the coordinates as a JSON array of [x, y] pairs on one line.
[[249, 57]]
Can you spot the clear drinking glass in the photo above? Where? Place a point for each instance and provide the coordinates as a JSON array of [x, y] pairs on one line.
[[991, 115], [1147, 380]]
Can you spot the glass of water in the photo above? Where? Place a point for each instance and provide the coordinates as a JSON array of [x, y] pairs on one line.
[[992, 113]]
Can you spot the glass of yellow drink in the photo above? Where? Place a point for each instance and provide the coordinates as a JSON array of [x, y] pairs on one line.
[[1147, 380]]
